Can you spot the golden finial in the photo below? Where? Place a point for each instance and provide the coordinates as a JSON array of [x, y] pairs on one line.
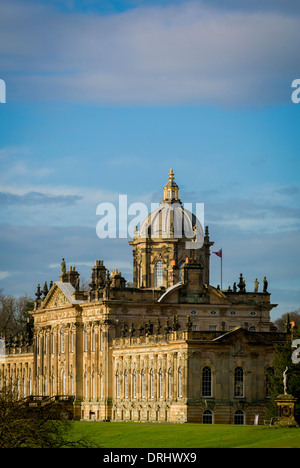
[[171, 175]]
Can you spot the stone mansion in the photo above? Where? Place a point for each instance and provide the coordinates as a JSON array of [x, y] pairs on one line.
[[169, 348]]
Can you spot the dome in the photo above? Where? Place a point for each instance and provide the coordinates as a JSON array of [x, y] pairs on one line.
[[171, 219]]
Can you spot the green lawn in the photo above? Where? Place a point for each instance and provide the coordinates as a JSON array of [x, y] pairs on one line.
[[140, 435]]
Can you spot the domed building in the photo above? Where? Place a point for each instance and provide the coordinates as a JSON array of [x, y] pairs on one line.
[[167, 238], [170, 348]]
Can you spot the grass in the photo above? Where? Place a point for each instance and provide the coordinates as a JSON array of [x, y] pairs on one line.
[[143, 435]]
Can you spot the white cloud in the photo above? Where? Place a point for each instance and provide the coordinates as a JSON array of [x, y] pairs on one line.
[[4, 274], [191, 52]]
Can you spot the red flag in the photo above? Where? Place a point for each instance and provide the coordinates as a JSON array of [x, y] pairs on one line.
[[219, 253]]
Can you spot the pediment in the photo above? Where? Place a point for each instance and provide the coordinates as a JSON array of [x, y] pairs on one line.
[[239, 336], [217, 297], [60, 295]]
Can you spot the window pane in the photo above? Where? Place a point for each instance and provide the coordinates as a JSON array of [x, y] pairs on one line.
[[143, 384], [206, 382], [238, 382], [239, 417], [134, 385], [158, 274], [179, 383], [151, 384], [207, 417]]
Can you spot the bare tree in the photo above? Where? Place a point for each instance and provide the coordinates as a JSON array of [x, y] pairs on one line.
[[22, 426], [13, 313]]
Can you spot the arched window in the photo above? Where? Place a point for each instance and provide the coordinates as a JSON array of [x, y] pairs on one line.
[[52, 343], [53, 384], [206, 382], [239, 417], [143, 382], [39, 381], [179, 382], [134, 384], [160, 384], [207, 417], [24, 386], [72, 340], [238, 382], [86, 385], [158, 274], [93, 339], [170, 383], [126, 384], [151, 384], [72, 382], [30, 383], [101, 384], [18, 387], [85, 339], [117, 385], [93, 385], [62, 340], [101, 339]]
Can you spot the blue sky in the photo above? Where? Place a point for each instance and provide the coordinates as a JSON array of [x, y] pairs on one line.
[[104, 97]]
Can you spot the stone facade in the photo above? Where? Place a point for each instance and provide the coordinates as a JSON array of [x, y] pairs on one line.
[[170, 348]]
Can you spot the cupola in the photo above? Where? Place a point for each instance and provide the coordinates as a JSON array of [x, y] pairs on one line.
[[171, 189]]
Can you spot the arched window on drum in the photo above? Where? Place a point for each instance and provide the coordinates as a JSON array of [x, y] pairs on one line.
[[158, 274]]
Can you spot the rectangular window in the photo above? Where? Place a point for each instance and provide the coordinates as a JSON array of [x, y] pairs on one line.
[[151, 385], [117, 385], [134, 385], [160, 384], [143, 385], [159, 274], [93, 340], [238, 382], [72, 341], [180, 383], [85, 340], [206, 382], [170, 383]]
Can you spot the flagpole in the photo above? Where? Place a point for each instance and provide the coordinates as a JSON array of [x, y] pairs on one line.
[[221, 269], [220, 254]]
